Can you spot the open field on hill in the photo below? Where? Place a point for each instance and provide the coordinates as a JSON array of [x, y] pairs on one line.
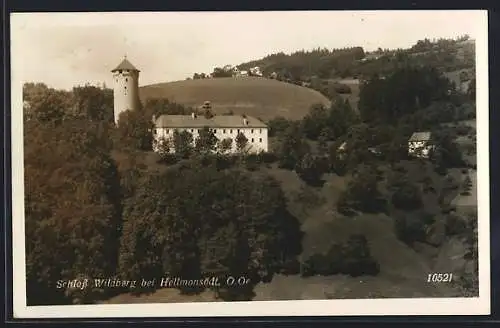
[[354, 84], [253, 96]]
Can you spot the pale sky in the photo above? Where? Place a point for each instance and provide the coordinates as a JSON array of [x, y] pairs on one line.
[[68, 49]]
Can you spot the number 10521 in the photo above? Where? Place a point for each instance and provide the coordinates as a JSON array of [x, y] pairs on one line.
[[439, 277]]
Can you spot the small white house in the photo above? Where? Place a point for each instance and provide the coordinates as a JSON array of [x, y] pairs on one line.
[[255, 71], [420, 145]]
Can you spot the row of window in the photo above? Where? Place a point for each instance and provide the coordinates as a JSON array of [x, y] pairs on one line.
[[238, 130], [252, 140], [213, 130]]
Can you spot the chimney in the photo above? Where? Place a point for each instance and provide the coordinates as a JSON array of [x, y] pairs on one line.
[[245, 121], [193, 115], [154, 119]]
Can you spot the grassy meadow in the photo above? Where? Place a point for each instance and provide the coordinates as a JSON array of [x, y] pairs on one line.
[[258, 97]]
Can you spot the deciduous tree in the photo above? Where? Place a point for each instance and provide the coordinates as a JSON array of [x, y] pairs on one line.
[[241, 142], [206, 141], [183, 143], [134, 130]]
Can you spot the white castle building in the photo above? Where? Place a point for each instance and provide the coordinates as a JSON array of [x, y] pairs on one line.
[[223, 126], [126, 97]]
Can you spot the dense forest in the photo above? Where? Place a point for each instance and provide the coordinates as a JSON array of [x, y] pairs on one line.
[[355, 62], [322, 69], [96, 208]]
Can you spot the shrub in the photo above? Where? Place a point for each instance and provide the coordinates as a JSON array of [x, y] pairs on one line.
[[462, 130], [467, 182], [428, 189], [278, 125], [471, 116], [407, 197], [268, 157], [357, 258], [252, 160], [351, 257], [441, 170], [307, 197], [342, 88], [290, 267], [362, 194], [310, 170], [344, 206], [455, 225], [399, 168], [251, 166], [412, 227]]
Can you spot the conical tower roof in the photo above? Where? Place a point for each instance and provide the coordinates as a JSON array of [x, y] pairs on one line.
[[125, 65]]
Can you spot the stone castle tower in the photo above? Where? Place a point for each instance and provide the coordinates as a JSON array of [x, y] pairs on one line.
[[125, 88]]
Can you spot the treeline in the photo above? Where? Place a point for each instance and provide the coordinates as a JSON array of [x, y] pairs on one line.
[[227, 71], [428, 45], [356, 63], [90, 102], [302, 65]]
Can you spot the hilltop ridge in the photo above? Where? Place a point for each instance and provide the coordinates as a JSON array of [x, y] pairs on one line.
[[259, 97]]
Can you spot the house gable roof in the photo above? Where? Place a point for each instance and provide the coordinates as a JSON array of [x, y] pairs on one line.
[[420, 136]]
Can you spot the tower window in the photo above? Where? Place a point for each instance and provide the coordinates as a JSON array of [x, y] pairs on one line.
[[120, 71], [252, 130], [252, 139], [260, 139], [126, 79]]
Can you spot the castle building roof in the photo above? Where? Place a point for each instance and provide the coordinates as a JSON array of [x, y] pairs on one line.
[[125, 65], [218, 121]]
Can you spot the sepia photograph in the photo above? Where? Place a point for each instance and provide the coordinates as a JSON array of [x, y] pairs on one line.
[[277, 163]]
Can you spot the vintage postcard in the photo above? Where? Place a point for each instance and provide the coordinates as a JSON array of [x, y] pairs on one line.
[[196, 164]]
